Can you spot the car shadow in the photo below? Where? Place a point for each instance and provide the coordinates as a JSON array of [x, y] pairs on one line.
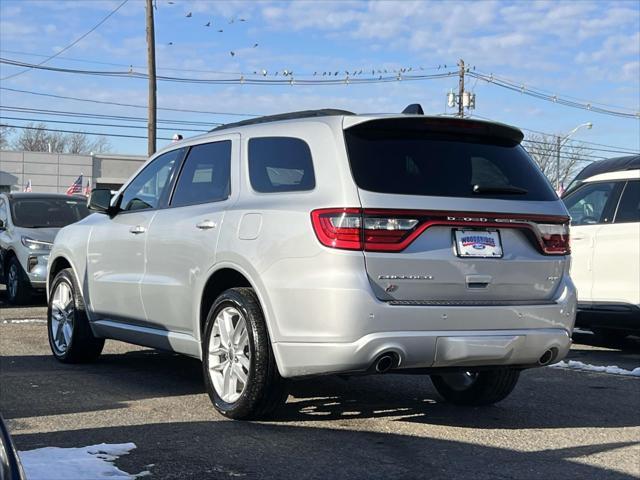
[[544, 398], [629, 344], [219, 449]]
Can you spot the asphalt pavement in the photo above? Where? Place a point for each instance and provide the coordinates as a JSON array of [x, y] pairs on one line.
[[558, 423]]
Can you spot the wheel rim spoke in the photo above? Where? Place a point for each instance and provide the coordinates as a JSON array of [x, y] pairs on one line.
[[229, 363], [62, 317]]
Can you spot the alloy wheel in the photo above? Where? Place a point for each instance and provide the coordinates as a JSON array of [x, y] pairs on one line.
[[229, 354], [12, 281], [62, 317]]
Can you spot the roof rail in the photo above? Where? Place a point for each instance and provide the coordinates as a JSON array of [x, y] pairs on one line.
[[325, 112]]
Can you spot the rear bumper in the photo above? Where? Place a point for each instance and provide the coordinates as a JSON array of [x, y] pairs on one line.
[[425, 350], [609, 316]]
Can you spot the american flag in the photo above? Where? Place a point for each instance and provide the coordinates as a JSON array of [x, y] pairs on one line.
[[76, 187], [87, 189], [27, 187]]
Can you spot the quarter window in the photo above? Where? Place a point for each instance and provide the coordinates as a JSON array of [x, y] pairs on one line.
[[629, 208], [587, 204], [280, 164], [150, 186], [205, 176]]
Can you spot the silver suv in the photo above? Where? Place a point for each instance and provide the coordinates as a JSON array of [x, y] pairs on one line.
[[28, 224], [326, 242]]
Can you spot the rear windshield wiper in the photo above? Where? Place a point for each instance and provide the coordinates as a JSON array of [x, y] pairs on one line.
[[508, 189]]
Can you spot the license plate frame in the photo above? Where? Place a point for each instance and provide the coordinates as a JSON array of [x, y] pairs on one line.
[[477, 243]]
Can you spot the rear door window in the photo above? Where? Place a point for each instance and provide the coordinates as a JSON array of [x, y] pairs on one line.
[[395, 157], [205, 176], [629, 207], [280, 164], [592, 203]]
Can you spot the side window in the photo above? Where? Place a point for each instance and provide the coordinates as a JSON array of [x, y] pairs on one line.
[[148, 188], [588, 203], [629, 207], [206, 175], [3, 212], [280, 164]]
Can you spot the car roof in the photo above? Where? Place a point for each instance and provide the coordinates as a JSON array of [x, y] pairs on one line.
[[616, 164], [619, 175]]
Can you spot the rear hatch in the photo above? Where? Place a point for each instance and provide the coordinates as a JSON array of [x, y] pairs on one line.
[[454, 212]]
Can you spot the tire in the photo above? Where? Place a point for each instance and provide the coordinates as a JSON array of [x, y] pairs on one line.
[[476, 389], [255, 389], [18, 286], [70, 336]]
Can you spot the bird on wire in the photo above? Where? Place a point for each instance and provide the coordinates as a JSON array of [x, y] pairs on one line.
[[255, 45], [233, 54], [189, 15], [208, 24]]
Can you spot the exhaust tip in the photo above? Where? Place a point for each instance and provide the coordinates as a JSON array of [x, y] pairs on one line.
[[547, 357], [385, 362]]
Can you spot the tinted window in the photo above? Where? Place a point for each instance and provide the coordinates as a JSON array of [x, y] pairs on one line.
[[629, 207], [405, 158], [587, 204], [149, 187], [205, 176], [280, 164], [43, 212]]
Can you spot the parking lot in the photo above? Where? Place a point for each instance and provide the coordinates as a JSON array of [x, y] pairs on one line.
[[559, 423]]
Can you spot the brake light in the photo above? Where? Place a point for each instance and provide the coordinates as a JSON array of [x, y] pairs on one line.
[[355, 229], [554, 238], [388, 230]]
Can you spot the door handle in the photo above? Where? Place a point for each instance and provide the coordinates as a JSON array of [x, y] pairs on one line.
[[206, 225], [137, 229]]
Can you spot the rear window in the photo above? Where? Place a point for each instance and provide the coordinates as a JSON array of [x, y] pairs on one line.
[[397, 158], [280, 164]]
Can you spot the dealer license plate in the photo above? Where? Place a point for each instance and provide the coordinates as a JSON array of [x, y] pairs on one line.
[[478, 243]]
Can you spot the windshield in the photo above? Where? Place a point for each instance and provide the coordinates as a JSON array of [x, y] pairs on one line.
[[46, 212], [401, 159]]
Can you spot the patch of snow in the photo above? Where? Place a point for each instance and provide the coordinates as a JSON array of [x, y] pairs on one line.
[[25, 320], [575, 365], [84, 463]]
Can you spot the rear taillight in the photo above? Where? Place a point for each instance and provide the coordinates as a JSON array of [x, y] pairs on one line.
[[554, 238], [357, 229], [387, 230]]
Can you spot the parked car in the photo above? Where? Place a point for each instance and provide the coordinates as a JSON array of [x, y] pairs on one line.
[[605, 243], [618, 164], [326, 242], [10, 465], [28, 224]]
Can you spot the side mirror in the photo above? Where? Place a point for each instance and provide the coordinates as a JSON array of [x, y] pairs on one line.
[[100, 200]]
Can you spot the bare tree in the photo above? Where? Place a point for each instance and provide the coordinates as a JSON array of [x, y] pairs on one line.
[[543, 149], [36, 138], [79, 143], [4, 136]]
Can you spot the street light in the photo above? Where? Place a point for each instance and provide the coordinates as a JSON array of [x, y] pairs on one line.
[[560, 141]]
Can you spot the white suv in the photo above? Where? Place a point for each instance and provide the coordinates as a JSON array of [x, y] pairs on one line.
[[605, 239], [326, 242]]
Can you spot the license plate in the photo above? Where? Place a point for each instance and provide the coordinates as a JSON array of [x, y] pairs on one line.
[[478, 243]]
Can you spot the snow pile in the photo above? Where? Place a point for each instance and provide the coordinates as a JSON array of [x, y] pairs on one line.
[[574, 365], [83, 463]]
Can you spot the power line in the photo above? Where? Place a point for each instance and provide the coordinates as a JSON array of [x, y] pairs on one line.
[[493, 80], [71, 44], [68, 122], [358, 71], [120, 104], [101, 116], [121, 135], [288, 80]]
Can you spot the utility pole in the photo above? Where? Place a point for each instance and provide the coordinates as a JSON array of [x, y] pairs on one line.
[[558, 147], [151, 64], [461, 89]]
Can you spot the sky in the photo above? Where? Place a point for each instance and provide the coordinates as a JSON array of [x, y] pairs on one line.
[[583, 50]]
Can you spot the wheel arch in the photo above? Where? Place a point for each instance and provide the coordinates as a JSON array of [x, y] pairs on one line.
[[231, 275]]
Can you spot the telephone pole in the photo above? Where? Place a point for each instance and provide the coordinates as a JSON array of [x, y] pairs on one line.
[[151, 64], [461, 89]]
